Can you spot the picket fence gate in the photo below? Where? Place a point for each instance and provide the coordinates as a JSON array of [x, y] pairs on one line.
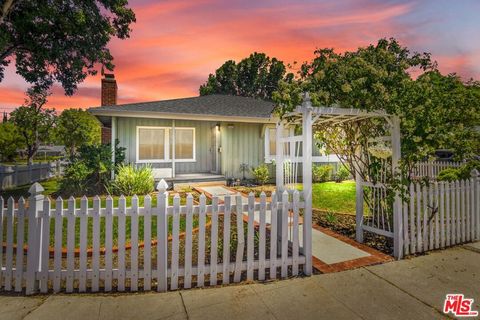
[[165, 261], [441, 214]]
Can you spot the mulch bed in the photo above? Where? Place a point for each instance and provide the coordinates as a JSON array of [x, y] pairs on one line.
[[344, 224]]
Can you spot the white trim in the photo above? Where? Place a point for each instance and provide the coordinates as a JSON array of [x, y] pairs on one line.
[[182, 116], [194, 159], [166, 145], [269, 157]]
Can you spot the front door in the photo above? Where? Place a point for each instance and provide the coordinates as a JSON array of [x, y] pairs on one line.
[[215, 149]]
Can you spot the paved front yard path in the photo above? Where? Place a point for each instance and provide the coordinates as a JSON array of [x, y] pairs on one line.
[[408, 289]]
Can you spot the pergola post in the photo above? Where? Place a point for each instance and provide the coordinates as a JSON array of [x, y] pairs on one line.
[[307, 183], [397, 205], [279, 158], [359, 207], [279, 177]]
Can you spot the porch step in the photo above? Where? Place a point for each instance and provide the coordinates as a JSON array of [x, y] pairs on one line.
[[197, 179]]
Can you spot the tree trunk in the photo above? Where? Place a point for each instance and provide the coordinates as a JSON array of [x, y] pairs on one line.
[[6, 8]]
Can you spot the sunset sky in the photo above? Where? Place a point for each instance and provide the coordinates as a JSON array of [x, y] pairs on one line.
[[176, 44]]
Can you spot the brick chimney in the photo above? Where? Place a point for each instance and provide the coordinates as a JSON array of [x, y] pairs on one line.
[[109, 90], [109, 98]]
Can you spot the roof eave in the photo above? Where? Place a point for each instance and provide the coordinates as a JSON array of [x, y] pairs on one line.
[[180, 116]]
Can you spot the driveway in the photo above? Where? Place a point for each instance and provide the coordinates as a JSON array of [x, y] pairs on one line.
[[409, 289]]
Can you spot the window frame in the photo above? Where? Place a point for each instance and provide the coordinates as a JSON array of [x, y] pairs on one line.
[[268, 157], [166, 145], [194, 153]]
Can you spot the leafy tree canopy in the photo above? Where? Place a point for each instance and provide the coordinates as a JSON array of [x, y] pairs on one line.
[[34, 123], [10, 141], [60, 40], [75, 128], [256, 76], [436, 111]]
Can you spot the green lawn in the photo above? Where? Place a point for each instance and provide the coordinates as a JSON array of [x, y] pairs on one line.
[[336, 197], [52, 187]]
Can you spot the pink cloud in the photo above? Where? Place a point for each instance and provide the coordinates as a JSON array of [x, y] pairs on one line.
[[176, 44]]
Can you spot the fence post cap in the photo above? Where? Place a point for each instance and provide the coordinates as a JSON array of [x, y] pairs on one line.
[[162, 186], [35, 189], [474, 173]]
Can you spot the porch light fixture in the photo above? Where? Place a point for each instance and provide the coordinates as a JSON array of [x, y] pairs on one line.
[[217, 126]]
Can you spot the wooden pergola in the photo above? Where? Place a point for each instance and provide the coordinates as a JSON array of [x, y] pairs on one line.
[[309, 118]]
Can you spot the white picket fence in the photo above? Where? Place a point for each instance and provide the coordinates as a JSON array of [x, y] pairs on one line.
[[431, 169], [224, 246], [12, 176], [441, 215]]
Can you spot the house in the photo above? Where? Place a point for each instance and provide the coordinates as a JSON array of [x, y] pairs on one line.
[[196, 138]]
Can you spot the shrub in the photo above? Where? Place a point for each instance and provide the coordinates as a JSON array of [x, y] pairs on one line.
[[89, 170], [450, 174], [342, 174], [322, 173], [460, 173], [10, 141], [75, 179], [466, 169], [261, 174], [130, 180]]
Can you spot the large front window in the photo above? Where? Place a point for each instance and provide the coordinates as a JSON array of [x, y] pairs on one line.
[[151, 144], [155, 144], [184, 144]]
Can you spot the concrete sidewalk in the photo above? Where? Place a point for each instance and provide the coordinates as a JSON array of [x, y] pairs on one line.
[[408, 289]]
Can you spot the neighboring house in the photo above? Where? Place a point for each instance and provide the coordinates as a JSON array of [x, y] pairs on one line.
[[205, 137]]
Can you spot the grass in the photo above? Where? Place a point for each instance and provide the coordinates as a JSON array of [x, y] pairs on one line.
[[336, 197], [128, 229], [327, 196], [52, 187]]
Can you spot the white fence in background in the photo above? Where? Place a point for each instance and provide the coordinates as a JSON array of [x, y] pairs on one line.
[[441, 215], [12, 176], [431, 169], [221, 247]]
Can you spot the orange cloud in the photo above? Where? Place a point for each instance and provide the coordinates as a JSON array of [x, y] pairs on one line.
[[176, 44]]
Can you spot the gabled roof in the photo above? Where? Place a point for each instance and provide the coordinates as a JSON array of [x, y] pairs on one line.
[[211, 106]]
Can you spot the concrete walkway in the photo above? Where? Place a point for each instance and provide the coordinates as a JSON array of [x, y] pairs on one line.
[[408, 289], [325, 248]]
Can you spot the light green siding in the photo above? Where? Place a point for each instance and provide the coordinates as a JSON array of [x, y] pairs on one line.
[[242, 143], [126, 133]]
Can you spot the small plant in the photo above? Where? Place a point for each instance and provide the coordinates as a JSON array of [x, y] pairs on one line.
[[449, 174], [342, 174], [331, 217], [130, 180], [261, 174], [322, 173], [75, 179], [244, 168]]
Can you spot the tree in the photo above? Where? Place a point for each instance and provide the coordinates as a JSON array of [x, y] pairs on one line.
[[75, 128], [435, 110], [438, 112], [88, 172], [34, 123], [256, 76], [60, 40], [10, 141]]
